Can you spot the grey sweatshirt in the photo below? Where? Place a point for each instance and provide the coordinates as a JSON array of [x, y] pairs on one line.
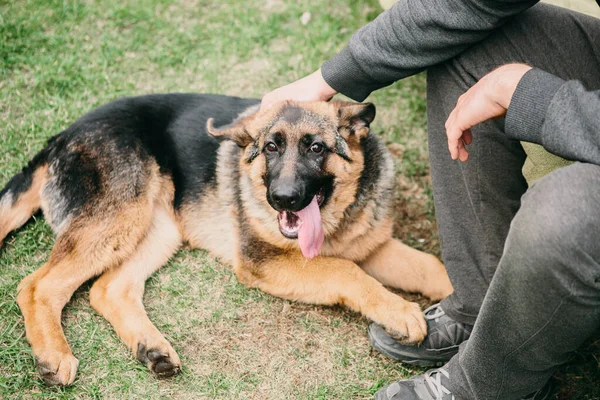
[[415, 34]]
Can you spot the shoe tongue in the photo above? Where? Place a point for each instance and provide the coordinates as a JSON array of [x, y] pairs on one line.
[[310, 234]]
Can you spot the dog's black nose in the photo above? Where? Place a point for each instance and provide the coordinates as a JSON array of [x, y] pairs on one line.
[[286, 197]]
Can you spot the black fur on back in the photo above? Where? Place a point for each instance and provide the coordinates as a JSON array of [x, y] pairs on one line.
[[171, 129], [129, 132]]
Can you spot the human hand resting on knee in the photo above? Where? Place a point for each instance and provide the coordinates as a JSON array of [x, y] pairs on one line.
[[487, 99]]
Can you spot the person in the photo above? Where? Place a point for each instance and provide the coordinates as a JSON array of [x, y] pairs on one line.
[[524, 261]]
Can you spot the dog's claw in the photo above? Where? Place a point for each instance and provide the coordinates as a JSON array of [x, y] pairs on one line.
[[45, 369], [62, 374], [397, 335]]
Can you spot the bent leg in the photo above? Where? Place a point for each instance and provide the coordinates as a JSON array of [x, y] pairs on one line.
[[117, 296], [476, 201], [330, 281], [82, 251], [544, 300], [399, 266]]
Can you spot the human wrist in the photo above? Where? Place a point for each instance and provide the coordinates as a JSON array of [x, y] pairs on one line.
[[345, 75], [529, 104], [326, 92], [508, 78]]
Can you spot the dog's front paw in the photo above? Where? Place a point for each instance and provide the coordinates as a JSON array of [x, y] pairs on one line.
[[160, 359], [410, 327], [402, 320], [57, 369]]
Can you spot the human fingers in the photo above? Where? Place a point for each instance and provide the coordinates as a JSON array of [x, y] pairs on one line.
[[455, 135], [473, 107], [312, 87], [467, 137]]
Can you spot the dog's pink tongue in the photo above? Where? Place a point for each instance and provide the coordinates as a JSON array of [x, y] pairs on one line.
[[311, 234]]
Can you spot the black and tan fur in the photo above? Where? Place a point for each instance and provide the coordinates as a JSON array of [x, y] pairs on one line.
[[127, 184]]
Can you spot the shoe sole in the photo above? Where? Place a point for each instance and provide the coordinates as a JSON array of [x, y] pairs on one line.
[[405, 359]]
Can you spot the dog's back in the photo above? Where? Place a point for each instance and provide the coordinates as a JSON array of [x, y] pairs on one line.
[[106, 157]]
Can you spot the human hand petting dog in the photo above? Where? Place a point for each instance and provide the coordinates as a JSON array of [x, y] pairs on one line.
[[310, 88], [487, 99]]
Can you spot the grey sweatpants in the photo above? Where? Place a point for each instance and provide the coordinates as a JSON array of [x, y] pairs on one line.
[[524, 262]]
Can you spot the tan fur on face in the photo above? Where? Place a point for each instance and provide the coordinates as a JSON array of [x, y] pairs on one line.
[[347, 176], [322, 119], [319, 118], [260, 214]]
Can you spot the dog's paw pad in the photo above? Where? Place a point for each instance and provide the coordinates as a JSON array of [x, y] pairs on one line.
[[158, 361]]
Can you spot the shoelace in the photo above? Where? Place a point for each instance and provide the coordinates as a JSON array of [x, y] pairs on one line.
[[434, 380], [433, 312]]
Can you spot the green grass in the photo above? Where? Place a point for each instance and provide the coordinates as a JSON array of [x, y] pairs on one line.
[[59, 59]]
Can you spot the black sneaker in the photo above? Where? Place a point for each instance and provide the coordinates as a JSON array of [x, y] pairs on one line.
[[433, 385], [444, 335]]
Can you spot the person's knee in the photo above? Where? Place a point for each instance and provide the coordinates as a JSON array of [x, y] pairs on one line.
[[558, 221], [565, 202], [507, 44]]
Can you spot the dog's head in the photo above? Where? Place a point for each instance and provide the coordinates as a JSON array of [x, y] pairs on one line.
[[305, 160]]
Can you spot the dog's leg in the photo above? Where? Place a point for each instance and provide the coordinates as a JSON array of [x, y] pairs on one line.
[[85, 249], [399, 266], [17, 208], [326, 280], [117, 295]]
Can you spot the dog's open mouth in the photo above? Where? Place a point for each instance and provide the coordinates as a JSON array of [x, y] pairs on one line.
[[304, 225]]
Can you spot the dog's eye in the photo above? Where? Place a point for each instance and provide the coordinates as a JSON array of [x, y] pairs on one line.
[[316, 148], [271, 147]]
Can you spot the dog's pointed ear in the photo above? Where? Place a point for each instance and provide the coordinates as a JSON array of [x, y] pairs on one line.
[[356, 117], [235, 131]]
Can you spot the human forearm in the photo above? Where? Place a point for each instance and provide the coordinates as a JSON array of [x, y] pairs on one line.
[[411, 36], [561, 116]]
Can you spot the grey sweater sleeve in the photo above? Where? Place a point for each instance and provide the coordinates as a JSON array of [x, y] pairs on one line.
[[412, 36], [560, 115]]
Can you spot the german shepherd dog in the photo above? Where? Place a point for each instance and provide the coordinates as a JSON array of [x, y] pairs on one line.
[[297, 198]]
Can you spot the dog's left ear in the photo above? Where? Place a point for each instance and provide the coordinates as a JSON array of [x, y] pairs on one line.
[[235, 131], [356, 117]]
